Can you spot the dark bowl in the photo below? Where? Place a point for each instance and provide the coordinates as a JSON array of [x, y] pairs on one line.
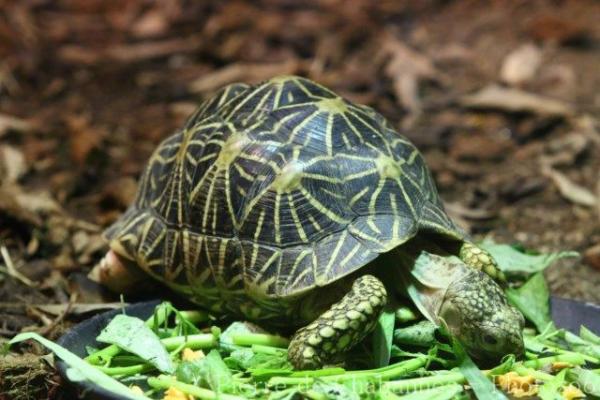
[[568, 314]]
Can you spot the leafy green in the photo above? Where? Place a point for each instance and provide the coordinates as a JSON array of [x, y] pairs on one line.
[[132, 334], [209, 371], [586, 380], [550, 390], [382, 339], [484, 389], [516, 263], [533, 300], [82, 368]]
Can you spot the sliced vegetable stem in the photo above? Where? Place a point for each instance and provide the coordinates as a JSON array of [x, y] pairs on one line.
[[249, 339], [126, 371]]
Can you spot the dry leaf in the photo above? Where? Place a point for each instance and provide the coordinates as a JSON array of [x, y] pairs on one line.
[[521, 64], [515, 100], [8, 122], [570, 190], [12, 164], [407, 67]]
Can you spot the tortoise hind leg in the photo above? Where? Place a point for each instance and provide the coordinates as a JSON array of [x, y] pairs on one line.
[[478, 258], [341, 327]]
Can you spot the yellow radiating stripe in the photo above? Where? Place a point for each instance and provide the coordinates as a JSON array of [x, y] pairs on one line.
[[299, 106], [324, 178], [260, 160], [336, 251], [209, 171], [279, 91], [207, 201], [208, 157], [333, 194], [258, 107], [363, 235], [249, 97], [248, 209], [357, 196], [374, 196], [314, 222], [361, 174], [321, 208], [353, 128], [406, 197], [329, 134], [228, 191], [281, 122], [350, 254], [346, 141], [298, 127], [242, 172], [342, 156], [304, 271], [156, 241], [276, 218], [297, 223], [377, 132], [396, 224], [303, 88], [190, 159], [214, 221]]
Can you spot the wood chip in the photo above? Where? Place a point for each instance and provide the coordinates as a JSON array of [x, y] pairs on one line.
[[496, 97]]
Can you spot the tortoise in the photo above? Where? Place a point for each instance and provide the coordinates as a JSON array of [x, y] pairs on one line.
[[286, 204]]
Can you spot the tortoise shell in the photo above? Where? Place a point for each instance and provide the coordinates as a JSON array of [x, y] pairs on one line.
[[271, 190]]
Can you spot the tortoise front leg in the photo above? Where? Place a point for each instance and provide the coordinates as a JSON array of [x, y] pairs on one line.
[[478, 258], [341, 327]]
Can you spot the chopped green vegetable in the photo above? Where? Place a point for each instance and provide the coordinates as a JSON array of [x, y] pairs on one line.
[[533, 300], [516, 263], [132, 335], [382, 339]]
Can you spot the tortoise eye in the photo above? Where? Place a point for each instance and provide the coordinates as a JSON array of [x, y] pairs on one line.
[[489, 339]]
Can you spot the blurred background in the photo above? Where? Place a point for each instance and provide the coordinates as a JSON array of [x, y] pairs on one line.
[[502, 97]]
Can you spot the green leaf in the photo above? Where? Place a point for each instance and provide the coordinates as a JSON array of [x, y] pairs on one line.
[[586, 380], [483, 388], [533, 300], [209, 371], [382, 339], [245, 359], [550, 390], [420, 334], [82, 368], [132, 334], [514, 262]]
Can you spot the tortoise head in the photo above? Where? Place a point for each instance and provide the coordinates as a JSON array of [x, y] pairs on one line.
[[119, 268], [475, 310]]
